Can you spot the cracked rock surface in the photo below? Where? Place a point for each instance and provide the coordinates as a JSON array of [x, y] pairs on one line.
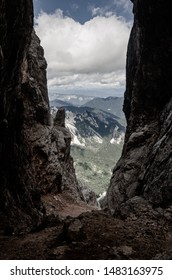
[[145, 167], [34, 152]]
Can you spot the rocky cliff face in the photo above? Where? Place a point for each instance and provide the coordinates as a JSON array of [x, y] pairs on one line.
[[145, 168], [34, 152]]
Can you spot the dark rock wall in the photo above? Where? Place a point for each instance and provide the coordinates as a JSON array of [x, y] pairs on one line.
[[34, 152], [145, 167]]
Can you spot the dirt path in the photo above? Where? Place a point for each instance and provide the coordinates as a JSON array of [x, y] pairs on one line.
[[92, 235], [64, 206], [78, 231]]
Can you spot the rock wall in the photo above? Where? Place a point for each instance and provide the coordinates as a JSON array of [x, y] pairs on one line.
[[34, 152], [145, 167]]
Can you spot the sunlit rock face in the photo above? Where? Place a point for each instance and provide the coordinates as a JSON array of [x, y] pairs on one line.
[[34, 152], [145, 168]]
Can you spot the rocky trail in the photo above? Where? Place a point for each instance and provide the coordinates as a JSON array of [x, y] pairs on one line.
[[93, 234]]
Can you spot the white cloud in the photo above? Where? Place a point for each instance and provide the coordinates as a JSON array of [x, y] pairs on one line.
[[89, 55], [113, 7], [124, 4], [101, 11]]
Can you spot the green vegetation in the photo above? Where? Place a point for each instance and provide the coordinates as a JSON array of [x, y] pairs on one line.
[[94, 163]]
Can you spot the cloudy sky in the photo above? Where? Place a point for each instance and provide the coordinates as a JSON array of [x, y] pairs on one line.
[[85, 44]]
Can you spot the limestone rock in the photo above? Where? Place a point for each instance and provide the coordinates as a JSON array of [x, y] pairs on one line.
[[59, 119], [34, 153], [145, 167], [87, 194]]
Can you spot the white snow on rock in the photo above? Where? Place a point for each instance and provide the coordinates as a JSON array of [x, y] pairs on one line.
[[117, 137], [70, 124]]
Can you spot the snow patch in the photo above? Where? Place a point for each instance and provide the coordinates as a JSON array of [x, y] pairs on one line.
[[70, 124], [117, 137], [101, 196]]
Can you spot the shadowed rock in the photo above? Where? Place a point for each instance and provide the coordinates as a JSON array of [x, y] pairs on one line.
[[34, 155], [59, 119], [145, 168]]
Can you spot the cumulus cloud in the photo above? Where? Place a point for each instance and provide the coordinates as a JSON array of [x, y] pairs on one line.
[[92, 54]]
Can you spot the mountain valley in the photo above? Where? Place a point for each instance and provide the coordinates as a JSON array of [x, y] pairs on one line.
[[97, 139]]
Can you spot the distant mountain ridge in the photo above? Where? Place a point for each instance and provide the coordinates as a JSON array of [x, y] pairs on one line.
[[92, 125], [60, 103], [73, 99], [113, 105]]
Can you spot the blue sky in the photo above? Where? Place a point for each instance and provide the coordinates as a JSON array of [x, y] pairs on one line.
[[85, 44], [81, 10]]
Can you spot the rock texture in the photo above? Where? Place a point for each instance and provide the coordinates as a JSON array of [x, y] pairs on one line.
[[34, 152], [145, 168], [91, 236]]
